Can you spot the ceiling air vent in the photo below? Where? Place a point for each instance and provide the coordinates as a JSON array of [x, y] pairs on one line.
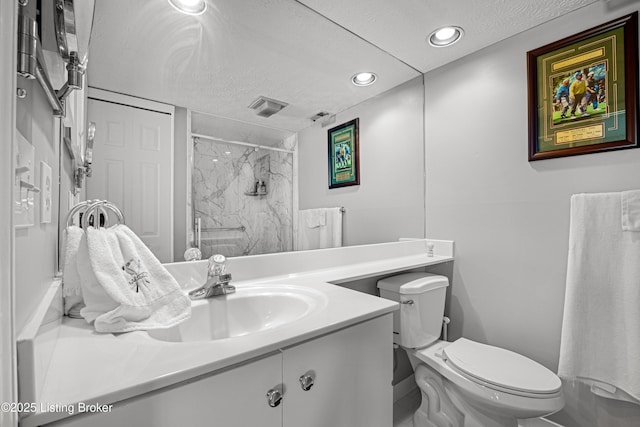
[[320, 115], [267, 107], [324, 118]]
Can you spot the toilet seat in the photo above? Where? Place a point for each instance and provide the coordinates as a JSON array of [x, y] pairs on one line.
[[500, 369]]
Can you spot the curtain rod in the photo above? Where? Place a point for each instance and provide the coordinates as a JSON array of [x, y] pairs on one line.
[[264, 147]]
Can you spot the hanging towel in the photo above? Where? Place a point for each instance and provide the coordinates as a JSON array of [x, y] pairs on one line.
[[96, 299], [71, 284], [313, 234], [601, 325], [138, 293], [315, 218], [631, 210]]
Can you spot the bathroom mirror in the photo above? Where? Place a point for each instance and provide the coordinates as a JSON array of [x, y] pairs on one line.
[[214, 65]]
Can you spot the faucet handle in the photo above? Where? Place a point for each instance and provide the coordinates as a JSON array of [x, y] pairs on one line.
[[217, 265], [192, 254]]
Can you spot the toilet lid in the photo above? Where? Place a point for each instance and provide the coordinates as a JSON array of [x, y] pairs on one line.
[[502, 368]]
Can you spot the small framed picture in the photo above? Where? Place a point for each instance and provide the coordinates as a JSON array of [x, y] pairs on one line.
[[583, 92], [344, 163]]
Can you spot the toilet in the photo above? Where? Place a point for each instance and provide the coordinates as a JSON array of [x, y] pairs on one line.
[[463, 383]]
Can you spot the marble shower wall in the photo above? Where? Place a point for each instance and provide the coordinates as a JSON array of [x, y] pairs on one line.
[[223, 183]]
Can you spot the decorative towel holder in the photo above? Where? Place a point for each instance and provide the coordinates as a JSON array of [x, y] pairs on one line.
[[97, 208]]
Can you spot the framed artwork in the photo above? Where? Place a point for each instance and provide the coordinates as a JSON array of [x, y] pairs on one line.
[[583, 92], [344, 163]]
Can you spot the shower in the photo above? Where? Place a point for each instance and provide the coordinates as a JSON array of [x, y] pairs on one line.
[[242, 197]]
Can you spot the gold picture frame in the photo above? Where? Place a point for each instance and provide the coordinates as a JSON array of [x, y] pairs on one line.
[[583, 92]]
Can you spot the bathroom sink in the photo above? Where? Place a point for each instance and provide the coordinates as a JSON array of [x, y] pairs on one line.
[[251, 309]]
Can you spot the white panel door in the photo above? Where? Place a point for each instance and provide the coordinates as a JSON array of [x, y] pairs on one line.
[[133, 168]]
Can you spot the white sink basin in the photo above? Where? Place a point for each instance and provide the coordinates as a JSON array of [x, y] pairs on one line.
[[251, 309]]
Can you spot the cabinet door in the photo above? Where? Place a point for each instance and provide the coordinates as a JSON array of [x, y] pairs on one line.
[[352, 371], [233, 398]]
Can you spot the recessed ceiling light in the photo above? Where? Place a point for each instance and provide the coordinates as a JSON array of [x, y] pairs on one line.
[[190, 7], [445, 36], [364, 79]]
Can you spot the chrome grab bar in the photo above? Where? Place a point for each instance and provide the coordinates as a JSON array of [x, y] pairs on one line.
[[241, 228]]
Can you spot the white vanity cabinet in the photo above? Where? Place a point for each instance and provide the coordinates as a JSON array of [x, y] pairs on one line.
[[234, 398], [351, 370]]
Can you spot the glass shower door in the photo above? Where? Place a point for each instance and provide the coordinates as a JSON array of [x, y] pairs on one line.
[[242, 197]]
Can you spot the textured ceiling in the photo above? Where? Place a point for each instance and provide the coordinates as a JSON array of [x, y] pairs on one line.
[[300, 52], [401, 27]]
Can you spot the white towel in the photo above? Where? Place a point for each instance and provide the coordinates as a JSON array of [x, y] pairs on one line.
[[631, 210], [607, 390], [71, 284], [601, 325], [96, 299], [315, 218], [327, 235], [134, 291]]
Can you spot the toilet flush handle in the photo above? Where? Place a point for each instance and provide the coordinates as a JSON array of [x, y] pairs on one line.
[[407, 302]]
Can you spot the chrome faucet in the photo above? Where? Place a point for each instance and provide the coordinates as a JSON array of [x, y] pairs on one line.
[[217, 280]]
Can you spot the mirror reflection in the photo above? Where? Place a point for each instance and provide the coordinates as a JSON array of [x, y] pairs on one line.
[[177, 146], [242, 198]]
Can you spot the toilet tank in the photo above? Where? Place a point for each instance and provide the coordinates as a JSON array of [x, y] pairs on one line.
[[418, 323]]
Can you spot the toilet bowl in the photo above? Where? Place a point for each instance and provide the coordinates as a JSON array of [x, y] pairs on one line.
[[463, 383]]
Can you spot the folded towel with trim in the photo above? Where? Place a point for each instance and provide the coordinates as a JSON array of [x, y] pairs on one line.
[[138, 293], [71, 283], [631, 210]]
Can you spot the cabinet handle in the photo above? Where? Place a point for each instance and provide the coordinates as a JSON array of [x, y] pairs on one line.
[[307, 380], [274, 397]]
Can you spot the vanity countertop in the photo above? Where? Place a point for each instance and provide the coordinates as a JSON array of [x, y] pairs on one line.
[[93, 368]]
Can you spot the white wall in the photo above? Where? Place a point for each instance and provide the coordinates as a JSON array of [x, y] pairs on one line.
[[509, 217], [389, 202], [36, 246], [36, 255]]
